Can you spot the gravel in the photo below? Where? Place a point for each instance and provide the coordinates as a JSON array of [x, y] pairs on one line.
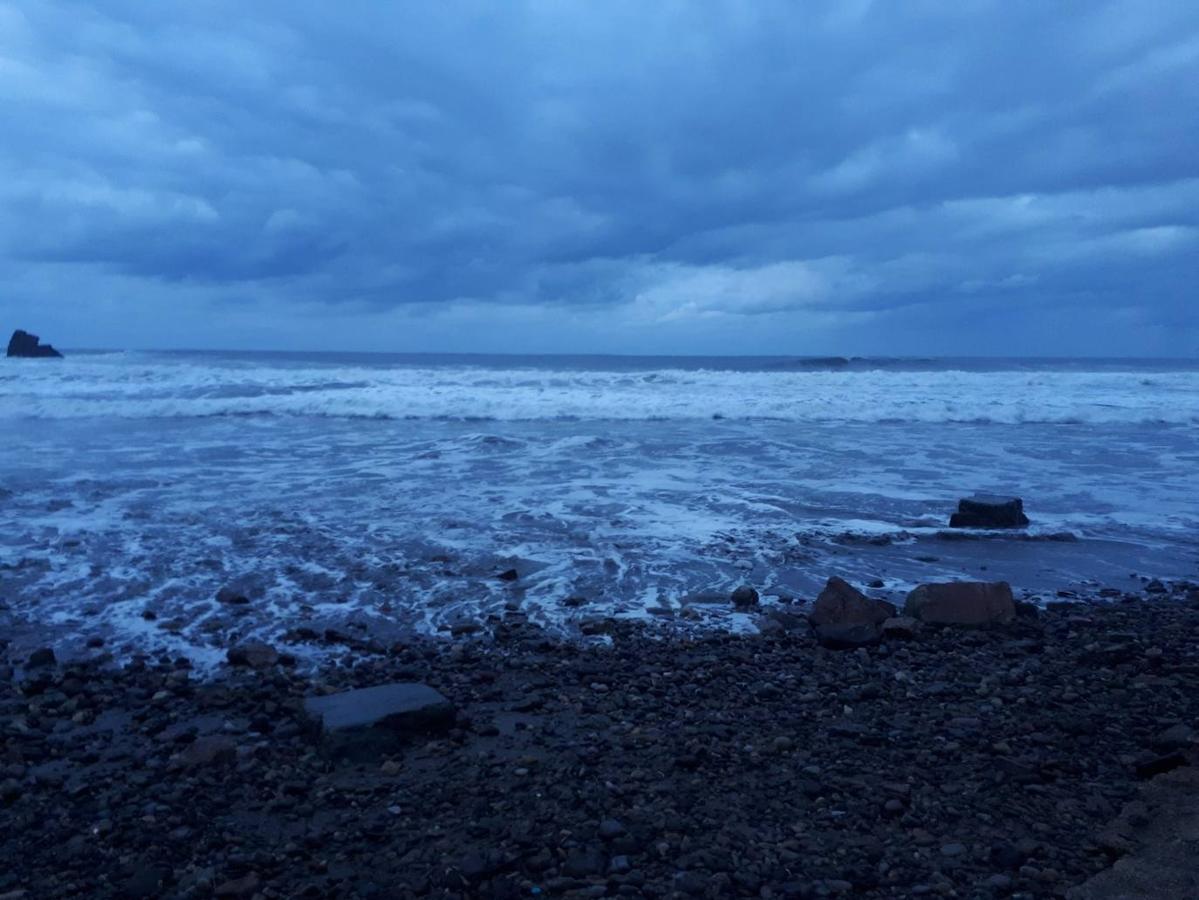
[[949, 762]]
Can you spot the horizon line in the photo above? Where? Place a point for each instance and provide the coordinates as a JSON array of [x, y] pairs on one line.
[[613, 355]]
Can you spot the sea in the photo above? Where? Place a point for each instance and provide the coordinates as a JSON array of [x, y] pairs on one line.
[[381, 496]]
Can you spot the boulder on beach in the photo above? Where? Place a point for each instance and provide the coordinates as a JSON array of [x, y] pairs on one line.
[[962, 603], [29, 346], [364, 724], [845, 617], [989, 512]]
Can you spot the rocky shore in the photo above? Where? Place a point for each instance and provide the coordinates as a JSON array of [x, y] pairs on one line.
[[1004, 761]]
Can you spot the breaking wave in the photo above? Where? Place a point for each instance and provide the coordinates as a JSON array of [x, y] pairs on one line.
[[128, 386]]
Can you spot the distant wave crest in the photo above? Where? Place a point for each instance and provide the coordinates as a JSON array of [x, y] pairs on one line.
[[129, 387]]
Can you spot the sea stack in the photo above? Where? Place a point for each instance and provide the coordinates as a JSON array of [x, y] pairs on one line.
[[24, 344]]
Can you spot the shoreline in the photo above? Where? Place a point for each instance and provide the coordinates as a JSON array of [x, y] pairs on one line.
[[959, 762]]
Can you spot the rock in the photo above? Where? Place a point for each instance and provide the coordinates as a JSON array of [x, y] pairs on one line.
[[209, 750], [962, 603], [584, 862], [989, 512], [1177, 737], [845, 617], [26, 345], [508, 575], [254, 654], [239, 887], [848, 637], [1159, 765], [364, 724], [147, 881], [610, 829], [902, 628], [10, 790], [41, 657], [744, 596], [232, 595]]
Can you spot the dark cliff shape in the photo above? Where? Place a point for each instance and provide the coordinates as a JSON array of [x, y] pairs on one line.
[[28, 345]]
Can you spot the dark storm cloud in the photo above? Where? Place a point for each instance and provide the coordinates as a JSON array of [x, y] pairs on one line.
[[895, 163]]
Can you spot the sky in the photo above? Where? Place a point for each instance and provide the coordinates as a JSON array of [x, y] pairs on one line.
[[964, 177]]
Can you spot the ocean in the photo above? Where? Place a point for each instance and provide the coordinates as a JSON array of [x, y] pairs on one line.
[[383, 494]]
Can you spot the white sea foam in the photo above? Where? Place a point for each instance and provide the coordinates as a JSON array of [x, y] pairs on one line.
[[133, 387], [393, 495]]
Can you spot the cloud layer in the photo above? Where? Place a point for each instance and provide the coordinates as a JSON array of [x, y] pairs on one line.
[[752, 176]]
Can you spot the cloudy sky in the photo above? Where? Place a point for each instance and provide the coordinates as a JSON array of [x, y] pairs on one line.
[[734, 176]]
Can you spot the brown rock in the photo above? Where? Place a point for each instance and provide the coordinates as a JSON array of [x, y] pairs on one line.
[[845, 617], [962, 603], [254, 654], [744, 596], [901, 627], [206, 751], [840, 603], [239, 887]]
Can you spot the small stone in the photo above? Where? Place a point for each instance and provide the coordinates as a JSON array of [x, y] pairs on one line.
[[1159, 765], [953, 849], [232, 596], [239, 887], [1178, 737], [254, 654], [41, 657], [902, 628], [744, 596], [206, 751], [585, 862], [690, 883], [610, 829]]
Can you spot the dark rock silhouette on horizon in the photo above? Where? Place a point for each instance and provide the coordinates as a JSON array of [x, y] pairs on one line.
[[24, 344]]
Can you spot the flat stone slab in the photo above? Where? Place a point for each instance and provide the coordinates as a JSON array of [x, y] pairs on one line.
[[962, 603], [366, 723]]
